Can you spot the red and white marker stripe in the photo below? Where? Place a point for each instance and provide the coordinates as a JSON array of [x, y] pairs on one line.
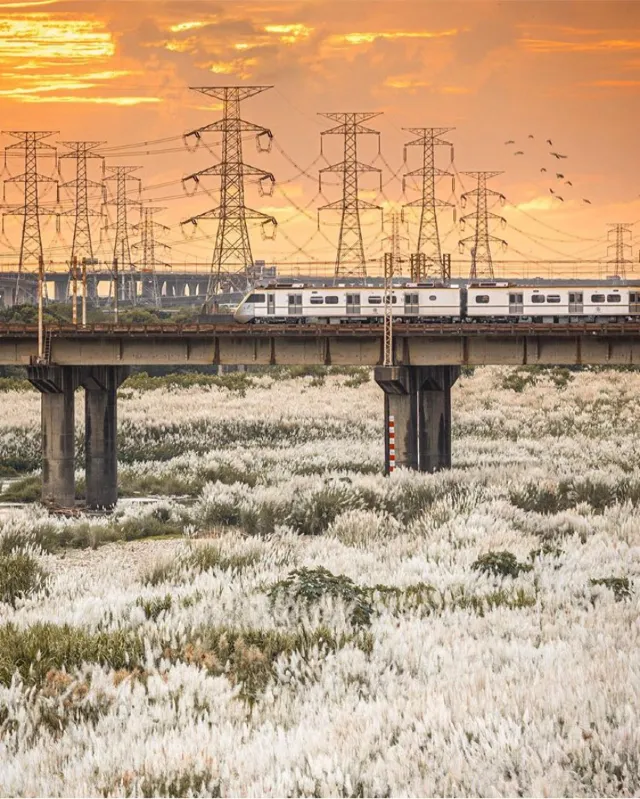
[[392, 444]]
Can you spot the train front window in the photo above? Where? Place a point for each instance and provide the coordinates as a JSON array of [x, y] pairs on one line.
[[256, 299]]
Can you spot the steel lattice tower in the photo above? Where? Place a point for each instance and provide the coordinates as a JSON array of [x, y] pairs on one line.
[[30, 143], [350, 258], [395, 240], [621, 246], [232, 253], [82, 151], [428, 236], [121, 247], [481, 260], [147, 246]]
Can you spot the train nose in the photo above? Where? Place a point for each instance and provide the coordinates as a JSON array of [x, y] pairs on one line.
[[244, 313]]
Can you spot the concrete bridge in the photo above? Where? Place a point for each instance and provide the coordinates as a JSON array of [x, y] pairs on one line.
[[417, 388], [180, 287]]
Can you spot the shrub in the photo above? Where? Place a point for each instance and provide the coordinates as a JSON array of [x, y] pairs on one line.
[[500, 564], [154, 607], [35, 650], [205, 558], [20, 575], [619, 585], [27, 489], [311, 585]]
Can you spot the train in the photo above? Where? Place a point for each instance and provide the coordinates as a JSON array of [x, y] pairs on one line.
[[495, 301]]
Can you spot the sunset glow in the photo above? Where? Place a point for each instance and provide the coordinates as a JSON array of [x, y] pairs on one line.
[[495, 73]]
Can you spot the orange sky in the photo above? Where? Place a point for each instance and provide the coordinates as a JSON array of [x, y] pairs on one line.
[[496, 71]]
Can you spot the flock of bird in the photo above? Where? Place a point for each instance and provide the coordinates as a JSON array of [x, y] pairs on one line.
[[559, 175]]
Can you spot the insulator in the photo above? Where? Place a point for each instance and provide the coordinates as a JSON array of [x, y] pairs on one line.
[[463, 201], [196, 185], [269, 236], [404, 154], [453, 185], [504, 245], [455, 214], [451, 156], [503, 222], [460, 247], [463, 223], [186, 142], [503, 199], [57, 223], [259, 146], [266, 190]]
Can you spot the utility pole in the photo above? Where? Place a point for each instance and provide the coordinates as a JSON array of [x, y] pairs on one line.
[[30, 144], [147, 246], [481, 260], [350, 258], [232, 252], [82, 247], [121, 249], [430, 265], [621, 246], [389, 269]]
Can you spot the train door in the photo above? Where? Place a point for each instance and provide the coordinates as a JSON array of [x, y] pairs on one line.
[[295, 304], [411, 304], [634, 302], [353, 304], [271, 304], [516, 304], [576, 302]]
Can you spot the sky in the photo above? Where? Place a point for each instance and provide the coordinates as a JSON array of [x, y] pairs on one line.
[[120, 72]]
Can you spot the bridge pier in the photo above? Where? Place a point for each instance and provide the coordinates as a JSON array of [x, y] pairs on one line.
[[101, 455], [417, 410], [57, 386]]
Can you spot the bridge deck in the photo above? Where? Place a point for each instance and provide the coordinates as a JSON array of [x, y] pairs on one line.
[[354, 344]]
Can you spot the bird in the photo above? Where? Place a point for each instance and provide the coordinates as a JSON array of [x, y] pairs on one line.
[[552, 191], [543, 169], [558, 155], [511, 141], [531, 136], [569, 183], [549, 142], [560, 198], [519, 152], [587, 201], [559, 175]]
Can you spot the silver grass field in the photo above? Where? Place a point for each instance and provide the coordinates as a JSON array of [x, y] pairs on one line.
[[280, 619]]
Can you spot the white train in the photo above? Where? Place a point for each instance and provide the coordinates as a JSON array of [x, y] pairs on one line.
[[425, 302]]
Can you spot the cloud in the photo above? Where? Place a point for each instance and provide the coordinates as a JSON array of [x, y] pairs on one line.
[[39, 35], [121, 101], [614, 83], [558, 46], [370, 37]]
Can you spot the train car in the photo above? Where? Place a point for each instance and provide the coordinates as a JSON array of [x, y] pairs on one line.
[[341, 304], [551, 302]]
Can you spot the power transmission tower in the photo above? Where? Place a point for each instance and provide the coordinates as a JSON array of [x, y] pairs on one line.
[[31, 143], [428, 237], [82, 151], [121, 247], [147, 246], [621, 246], [395, 240], [481, 260], [350, 258], [232, 253]]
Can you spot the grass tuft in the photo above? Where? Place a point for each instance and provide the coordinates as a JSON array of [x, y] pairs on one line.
[[20, 576], [500, 564]]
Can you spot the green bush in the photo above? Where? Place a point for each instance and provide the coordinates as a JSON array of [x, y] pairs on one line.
[[27, 489], [311, 585], [20, 576], [500, 564], [34, 651], [620, 586], [154, 607]]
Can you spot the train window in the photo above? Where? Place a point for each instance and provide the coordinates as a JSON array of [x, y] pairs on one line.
[[614, 298], [331, 300], [553, 298], [257, 298], [316, 300], [374, 300], [394, 299], [432, 297], [597, 298], [483, 299], [537, 298]]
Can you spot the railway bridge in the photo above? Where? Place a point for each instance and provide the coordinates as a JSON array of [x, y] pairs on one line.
[[417, 387]]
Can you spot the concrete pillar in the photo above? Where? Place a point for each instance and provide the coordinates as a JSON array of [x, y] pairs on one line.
[[61, 288], [57, 385], [417, 399], [101, 452]]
